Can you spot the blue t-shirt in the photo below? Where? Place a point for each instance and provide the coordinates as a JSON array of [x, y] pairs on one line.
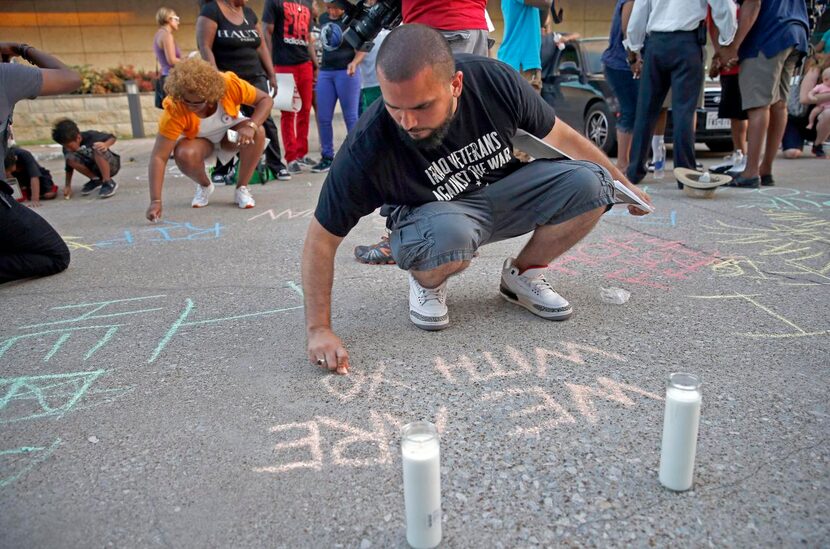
[[614, 56], [522, 36], [781, 24]]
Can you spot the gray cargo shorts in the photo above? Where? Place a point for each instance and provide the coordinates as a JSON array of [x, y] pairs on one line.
[[543, 192]]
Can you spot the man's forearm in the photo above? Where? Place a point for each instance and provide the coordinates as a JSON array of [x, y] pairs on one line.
[[41, 58], [318, 275], [575, 145]]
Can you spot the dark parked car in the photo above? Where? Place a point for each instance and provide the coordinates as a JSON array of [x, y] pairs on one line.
[[574, 84]]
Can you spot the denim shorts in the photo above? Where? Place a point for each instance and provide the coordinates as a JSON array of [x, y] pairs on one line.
[[626, 88], [543, 192]]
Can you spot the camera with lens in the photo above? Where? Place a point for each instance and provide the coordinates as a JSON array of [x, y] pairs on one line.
[[365, 22]]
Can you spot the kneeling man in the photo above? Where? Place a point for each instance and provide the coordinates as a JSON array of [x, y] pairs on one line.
[[437, 151]]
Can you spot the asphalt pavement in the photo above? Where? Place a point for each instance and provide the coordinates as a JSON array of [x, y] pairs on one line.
[[158, 394]]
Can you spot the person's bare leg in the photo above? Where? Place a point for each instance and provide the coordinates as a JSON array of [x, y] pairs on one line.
[[758, 124], [662, 119], [190, 155], [435, 277], [823, 127], [738, 128], [249, 158], [550, 241], [623, 149], [82, 169], [775, 133], [103, 166]]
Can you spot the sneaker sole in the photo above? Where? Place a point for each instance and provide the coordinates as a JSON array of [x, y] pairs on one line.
[[245, 207], [110, 194], [424, 323], [198, 206], [547, 315]]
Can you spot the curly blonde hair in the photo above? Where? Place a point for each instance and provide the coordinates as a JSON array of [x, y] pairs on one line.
[[195, 76]]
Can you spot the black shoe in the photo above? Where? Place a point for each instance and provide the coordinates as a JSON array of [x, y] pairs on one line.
[[322, 166], [282, 173], [108, 189], [767, 180], [90, 186], [818, 151], [746, 182]]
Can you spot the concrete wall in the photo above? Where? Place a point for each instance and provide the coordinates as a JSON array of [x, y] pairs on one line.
[[107, 33], [33, 120]]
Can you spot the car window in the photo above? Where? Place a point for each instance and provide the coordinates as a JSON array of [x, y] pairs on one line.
[[568, 58], [592, 51]]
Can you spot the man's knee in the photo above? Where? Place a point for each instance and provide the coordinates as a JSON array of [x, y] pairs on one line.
[[426, 243], [589, 180]]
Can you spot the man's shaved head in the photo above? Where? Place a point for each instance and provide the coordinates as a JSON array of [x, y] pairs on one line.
[[409, 49]]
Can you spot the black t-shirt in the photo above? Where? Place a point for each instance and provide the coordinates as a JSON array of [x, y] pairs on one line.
[[235, 46], [27, 168], [340, 58], [377, 165], [292, 23], [88, 138]]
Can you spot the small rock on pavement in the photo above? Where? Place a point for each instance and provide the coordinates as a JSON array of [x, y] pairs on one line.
[[93, 439], [365, 544]]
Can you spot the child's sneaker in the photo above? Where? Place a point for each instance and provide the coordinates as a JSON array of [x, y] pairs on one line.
[[90, 186], [243, 198], [530, 290], [428, 306], [108, 189], [200, 199], [322, 166], [307, 162]]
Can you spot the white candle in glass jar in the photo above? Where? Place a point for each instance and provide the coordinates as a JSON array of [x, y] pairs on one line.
[[422, 484], [680, 425]]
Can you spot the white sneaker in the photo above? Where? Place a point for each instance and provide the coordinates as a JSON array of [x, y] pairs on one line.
[[243, 198], [532, 291], [428, 306], [200, 199]]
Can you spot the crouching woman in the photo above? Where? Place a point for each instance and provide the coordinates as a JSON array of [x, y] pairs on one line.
[[202, 104]]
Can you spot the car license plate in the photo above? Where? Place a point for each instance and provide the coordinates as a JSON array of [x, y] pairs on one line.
[[715, 123]]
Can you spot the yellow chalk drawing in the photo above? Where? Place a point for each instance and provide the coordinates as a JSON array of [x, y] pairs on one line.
[[799, 331], [794, 247]]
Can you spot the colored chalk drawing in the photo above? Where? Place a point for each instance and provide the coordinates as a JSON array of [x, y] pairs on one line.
[[183, 322], [65, 328], [87, 324], [526, 392], [636, 259], [162, 232], [782, 198], [288, 215], [658, 218], [16, 462], [42, 396], [796, 330], [793, 250]]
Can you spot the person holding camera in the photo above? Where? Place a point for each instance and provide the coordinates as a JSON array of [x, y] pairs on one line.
[[452, 184], [29, 246], [673, 60]]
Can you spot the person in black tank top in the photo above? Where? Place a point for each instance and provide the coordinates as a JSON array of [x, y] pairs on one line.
[[230, 37]]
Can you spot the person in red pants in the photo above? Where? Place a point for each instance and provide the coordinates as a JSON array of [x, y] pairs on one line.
[[288, 35]]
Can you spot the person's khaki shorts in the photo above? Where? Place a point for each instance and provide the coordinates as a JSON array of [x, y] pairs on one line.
[[766, 80]]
